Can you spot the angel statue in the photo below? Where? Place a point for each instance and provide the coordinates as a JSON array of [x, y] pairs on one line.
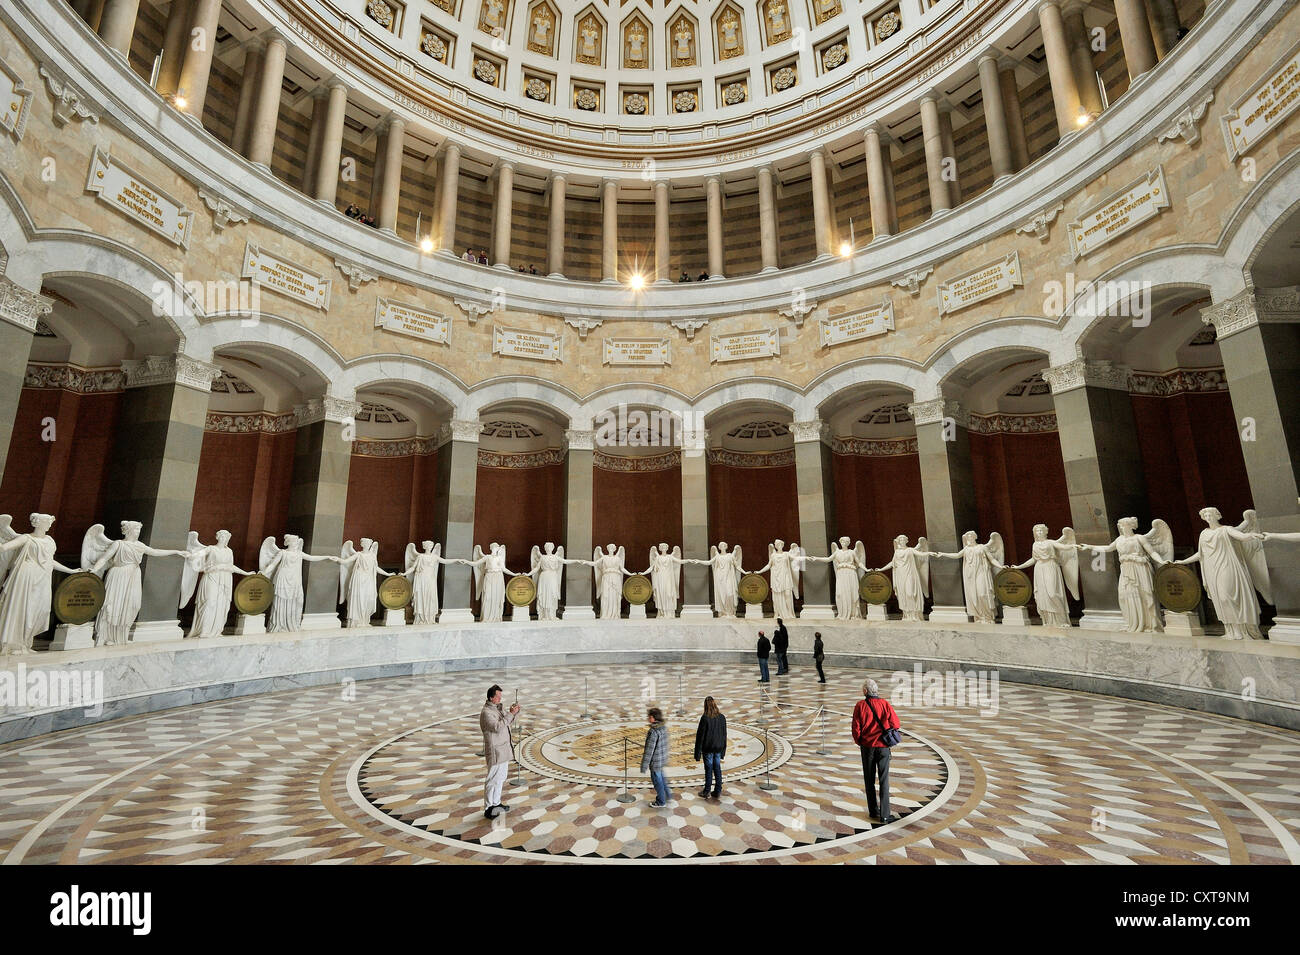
[[122, 588], [1233, 568], [727, 572], [1137, 592], [978, 561], [1056, 567], [284, 567], [490, 581], [359, 574], [665, 572], [609, 569], [911, 567], [26, 567], [422, 572], [786, 567], [216, 562], [546, 570], [849, 566]]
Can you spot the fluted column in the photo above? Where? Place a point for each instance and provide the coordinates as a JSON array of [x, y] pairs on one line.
[[249, 86], [1085, 72], [713, 201], [995, 118], [320, 105], [1015, 120], [331, 143], [175, 34], [767, 219], [1065, 91], [117, 24], [609, 231], [821, 198], [950, 152], [1135, 34], [932, 137], [877, 196], [815, 486], [555, 234], [1165, 25], [448, 196], [662, 208], [192, 90], [266, 112], [579, 476]]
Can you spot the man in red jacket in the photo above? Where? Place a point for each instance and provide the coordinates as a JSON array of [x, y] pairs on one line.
[[871, 717]]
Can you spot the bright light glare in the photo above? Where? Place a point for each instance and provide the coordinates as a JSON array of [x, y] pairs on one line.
[[637, 281], [846, 249], [426, 245], [180, 102]]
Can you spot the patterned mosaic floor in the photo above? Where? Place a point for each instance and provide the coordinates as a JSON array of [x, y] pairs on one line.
[[388, 771]]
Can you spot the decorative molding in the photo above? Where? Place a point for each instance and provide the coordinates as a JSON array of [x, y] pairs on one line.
[[798, 311], [875, 447], [689, 326], [459, 429], [584, 325], [257, 422], [84, 381], [576, 440], [170, 369], [913, 280], [396, 448], [804, 431], [647, 462], [326, 408], [520, 459], [1041, 423], [1180, 381], [473, 310], [223, 212], [751, 459], [15, 103], [1278, 304], [977, 285], [1092, 372], [123, 189], [936, 410], [1236, 314], [1187, 125], [636, 351], [1040, 224], [22, 307], [357, 275], [68, 100], [858, 324], [1119, 213]]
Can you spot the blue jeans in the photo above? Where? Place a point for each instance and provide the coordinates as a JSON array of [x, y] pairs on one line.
[[661, 785], [762, 668], [713, 771]]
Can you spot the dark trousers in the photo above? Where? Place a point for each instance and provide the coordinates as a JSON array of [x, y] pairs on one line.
[[875, 761], [762, 668], [781, 664], [820, 674]]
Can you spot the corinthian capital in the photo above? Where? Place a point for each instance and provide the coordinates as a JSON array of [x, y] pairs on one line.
[[21, 307], [170, 369]]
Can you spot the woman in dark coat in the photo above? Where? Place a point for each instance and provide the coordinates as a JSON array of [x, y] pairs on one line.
[[711, 744]]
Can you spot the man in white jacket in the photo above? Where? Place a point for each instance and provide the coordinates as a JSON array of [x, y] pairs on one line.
[[495, 722]]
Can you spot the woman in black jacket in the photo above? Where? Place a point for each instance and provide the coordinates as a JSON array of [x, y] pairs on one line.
[[711, 743]]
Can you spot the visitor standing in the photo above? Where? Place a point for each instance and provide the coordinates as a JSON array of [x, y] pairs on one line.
[[711, 744], [819, 654], [495, 722], [871, 717], [780, 644], [764, 648], [655, 756]]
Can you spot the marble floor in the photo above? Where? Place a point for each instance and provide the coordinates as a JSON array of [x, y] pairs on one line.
[[388, 771]]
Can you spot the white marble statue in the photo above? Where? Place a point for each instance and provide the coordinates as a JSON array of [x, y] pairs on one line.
[[911, 567], [490, 581], [27, 567], [1233, 568], [284, 567], [216, 563], [665, 572], [1056, 567], [359, 574], [547, 571], [787, 570], [727, 571], [978, 563], [1137, 591], [122, 586], [849, 565], [422, 572], [608, 570]]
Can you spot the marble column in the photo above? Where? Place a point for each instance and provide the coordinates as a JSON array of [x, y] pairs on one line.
[[249, 84], [1060, 71], [995, 118], [609, 231], [887, 158], [1103, 474], [196, 68], [390, 185], [578, 467], [1135, 34], [662, 210], [948, 493], [175, 36], [117, 24], [555, 235], [767, 219], [932, 136], [266, 111], [320, 105], [1015, 119], [152, 472], [950, 150], [877, 196], [1085, 72], [326, 179], [318, 495], [448, 194], [713, 202], [457, 483], [821, 199], [696, 578], [20, 309], [505, 201], [1165, 25], [815, 486], [1259, 343]]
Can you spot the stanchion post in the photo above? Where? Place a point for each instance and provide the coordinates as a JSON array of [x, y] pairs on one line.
[[625, 796], [681, 699], [586, 710], [767, 785], [821, 710]]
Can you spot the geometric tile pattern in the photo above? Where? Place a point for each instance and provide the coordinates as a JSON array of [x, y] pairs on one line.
[[318, 775]]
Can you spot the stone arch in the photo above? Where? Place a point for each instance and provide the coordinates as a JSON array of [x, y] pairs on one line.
[[519, 388]]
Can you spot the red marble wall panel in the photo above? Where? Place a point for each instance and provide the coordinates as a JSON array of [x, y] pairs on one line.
[[1019, 482], [876, 499], [636, 509], [520, 508]]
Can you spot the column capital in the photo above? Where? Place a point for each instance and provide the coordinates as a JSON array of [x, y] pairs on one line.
[[460, 429], [989, 53], [874, 128], [663, 184], [819, 152], [20, 306], [335, 82], [558, 177], [325, 408], [936, 410], [274, 36], [1231, 316], [1047, 4], [502, 165], [176, 369], [255, 42], [1089, 372], [806, 431], [580, 440], [450, 148]]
